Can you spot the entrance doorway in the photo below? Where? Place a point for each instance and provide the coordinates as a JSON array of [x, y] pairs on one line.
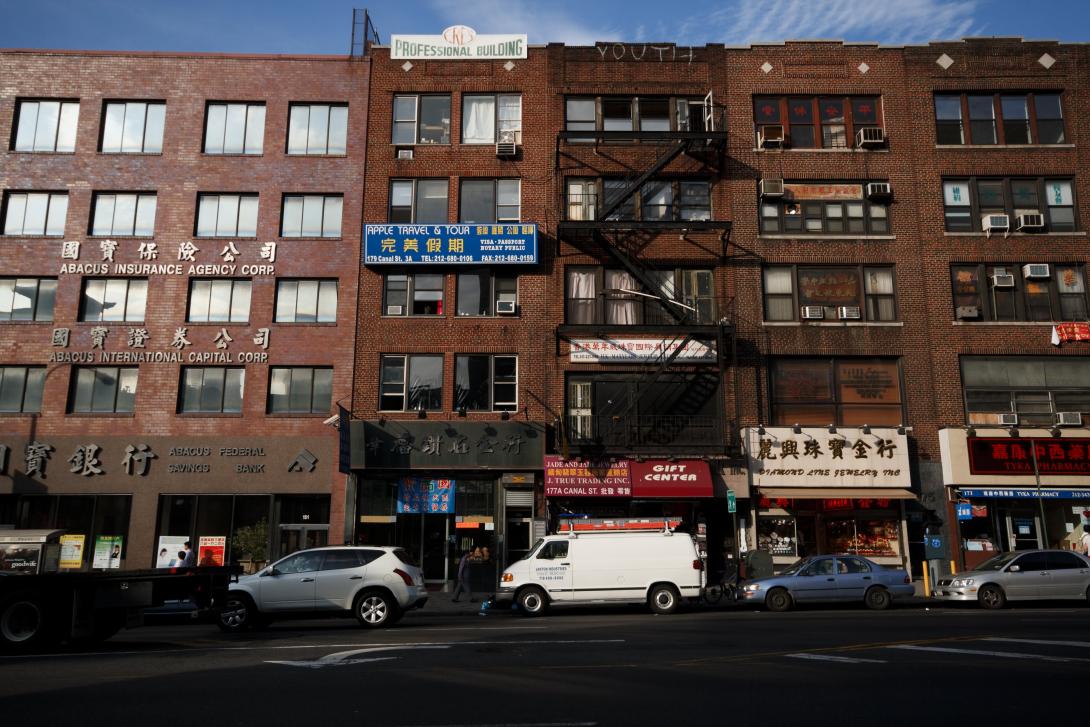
[[295, 537], [1023, 530]]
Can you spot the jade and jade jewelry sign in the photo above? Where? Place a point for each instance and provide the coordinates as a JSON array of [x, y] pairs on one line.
[[457, 42]]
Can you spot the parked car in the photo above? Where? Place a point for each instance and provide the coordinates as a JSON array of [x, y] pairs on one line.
[[1021, 575], [377, 585], [825, 578]]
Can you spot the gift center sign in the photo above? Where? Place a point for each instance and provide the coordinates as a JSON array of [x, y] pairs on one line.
[[450, 244], [458, 42]]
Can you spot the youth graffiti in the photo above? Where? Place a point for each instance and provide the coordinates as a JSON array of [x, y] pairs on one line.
[[623, 51]]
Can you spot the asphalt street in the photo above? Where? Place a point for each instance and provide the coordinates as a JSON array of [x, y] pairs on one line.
[[835, 666]]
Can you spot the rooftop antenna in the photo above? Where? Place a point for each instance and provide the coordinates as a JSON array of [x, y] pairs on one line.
[[364, 34]]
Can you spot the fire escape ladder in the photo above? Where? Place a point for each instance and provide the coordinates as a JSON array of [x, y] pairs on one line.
[[640, 272], [671, 153]]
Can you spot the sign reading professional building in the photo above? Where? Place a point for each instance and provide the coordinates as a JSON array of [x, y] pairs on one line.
[[450, 244], [814, 457], [458, 42]]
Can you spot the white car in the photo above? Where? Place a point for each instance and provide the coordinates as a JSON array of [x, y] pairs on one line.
[[374, 584]]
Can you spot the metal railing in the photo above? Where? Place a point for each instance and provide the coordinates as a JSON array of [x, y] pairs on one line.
[[630, 308], [646, 431]]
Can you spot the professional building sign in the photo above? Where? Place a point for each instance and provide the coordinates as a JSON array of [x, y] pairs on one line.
[[684, 478], [639, 350], [458, 42], [414, 444], [450, 244], [814, 457], [826, 192], [219, 258], [1014, 456]]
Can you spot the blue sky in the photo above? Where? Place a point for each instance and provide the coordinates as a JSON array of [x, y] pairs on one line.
[[324, 26]]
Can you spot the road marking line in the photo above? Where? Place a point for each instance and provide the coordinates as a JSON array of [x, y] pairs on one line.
[[341, 658], [977, 652], [832, 657], [1042, 642]]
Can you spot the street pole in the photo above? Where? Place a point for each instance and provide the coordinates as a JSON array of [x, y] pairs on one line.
[[1040, 500]]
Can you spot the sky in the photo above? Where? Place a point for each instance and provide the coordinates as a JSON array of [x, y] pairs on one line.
[[324, 26]]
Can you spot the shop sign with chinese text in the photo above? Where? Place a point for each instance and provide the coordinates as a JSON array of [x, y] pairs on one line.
[[416, 496], [823, 191], [815, 458], [458, 42], [415, 444], [638, 350], [1008, 456], [587, 478], [450, 244]]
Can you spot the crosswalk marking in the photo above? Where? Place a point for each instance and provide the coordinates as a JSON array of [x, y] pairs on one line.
[[977, 652], [840, 659], [1042, 642]]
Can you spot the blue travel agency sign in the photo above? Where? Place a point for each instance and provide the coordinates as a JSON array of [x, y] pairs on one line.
[[450, 244]]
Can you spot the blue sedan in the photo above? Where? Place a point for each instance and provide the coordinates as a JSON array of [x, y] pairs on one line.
[[825, 578]]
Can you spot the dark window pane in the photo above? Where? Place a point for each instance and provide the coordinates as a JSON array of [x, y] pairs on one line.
[[478, 201], [766, 110], [471, 385], [425, 383], [865, 111], [474, 298], [434, 120]]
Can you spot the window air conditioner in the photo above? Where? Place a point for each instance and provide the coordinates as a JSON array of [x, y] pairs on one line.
[[1002, 280], [995, 223], [505, 307], [813, 312], [1035, 270], [405, 154], [394, 310], [770, 136], [771, 187], [1069, 418], [879, 190], [846, 312], [1008, 419], [967, 312], [506, 149], [870, 137], [1031, 221]]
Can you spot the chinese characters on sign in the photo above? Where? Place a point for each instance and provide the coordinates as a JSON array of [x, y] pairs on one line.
[[1065, 332], [416, 495], [148, 254], [582, 478], [1007, 456], [815, 458], [427, 445], [626, 350], [450, 244]]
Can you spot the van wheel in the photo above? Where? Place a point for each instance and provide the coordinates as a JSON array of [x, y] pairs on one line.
[[778, 599], [663, 599], [23, 622], [878, 599], [532, 601]]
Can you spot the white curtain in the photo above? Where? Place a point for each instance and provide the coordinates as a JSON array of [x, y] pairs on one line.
[[621, 308], [479, 122], [582, 295]]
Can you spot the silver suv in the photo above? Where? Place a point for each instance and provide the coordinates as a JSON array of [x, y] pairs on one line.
[[374, 584]]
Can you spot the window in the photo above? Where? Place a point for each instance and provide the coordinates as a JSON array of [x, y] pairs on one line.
[[553, 550], [341, 560], [113, 299], [627, 113], [490, 200], [27, 299], [219, 301], [411, 383], [657, 200], [133, 127], [967, 201], [423, 201], [317, 129], [1002, 292], [212, 390], [21, 389], [306, 301], [129, 215], [491, 118], [104, 390], [861, 293], [484, 292], [421, 119], [1007, 118], [413, 294], [35, 213], [597, 296], [300, 390], [817, 122], [486, 383], [46, 126], [312, 215], [841, 391], [234, 128], [824, 209], [227, 215]]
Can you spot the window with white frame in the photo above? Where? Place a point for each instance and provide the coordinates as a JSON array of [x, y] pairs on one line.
[[490, 200], [485, 292], [128, 214], [421, 119], [318, 129], [44, 125], [212, 390], [227, 215], [133, 127], [35, 213], [27, 299], [21, 389], [419, 200], [311, 215], [967, 202], [1035, 388], [104, 390], [413, 294], [300, 390], [411, 383], [114, 299], [485, 383], [234, 128], [842, 292], [489, 118], [306, 301], [219, 301]]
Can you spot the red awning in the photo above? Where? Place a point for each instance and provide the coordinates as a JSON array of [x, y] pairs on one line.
[[659, 478]]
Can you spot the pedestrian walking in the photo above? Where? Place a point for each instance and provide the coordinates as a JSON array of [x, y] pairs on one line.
[[190, 558], [463, 577], [1086, 540]]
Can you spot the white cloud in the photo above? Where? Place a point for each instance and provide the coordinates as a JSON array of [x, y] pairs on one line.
[[542, 24]]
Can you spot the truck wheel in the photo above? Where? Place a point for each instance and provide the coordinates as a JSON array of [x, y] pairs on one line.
[[23, 622], [663, 599], [375, 609], [237, 615], [532, 601]]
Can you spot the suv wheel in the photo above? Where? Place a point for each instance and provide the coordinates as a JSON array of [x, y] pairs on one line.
[[376, 609], [237, 615]]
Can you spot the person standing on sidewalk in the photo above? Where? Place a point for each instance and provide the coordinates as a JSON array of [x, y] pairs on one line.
[[463, 577]]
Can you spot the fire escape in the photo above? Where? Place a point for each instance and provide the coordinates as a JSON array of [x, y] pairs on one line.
[[698, 140]]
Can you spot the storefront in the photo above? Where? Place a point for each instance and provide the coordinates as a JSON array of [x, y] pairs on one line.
[[439, 489], [242, 500], [1011, 490], [830, 490]]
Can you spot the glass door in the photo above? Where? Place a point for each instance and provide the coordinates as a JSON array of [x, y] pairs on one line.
[[295, 537], [1023, 530], [518, 535]]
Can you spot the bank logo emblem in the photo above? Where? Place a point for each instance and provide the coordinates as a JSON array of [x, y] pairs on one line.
[[303, 462]]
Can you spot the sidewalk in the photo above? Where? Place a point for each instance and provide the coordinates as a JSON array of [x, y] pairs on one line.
[[440, 602]]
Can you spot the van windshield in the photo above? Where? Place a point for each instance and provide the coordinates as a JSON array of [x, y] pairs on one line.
[[533, 550]]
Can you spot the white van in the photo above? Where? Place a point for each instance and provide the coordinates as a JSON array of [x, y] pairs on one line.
[[659, 568]]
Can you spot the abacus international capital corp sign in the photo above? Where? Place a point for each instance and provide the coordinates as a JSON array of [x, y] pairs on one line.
[[458, 42]]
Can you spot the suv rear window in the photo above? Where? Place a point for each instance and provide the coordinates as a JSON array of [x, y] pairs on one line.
[[403, 555], [341, 560]]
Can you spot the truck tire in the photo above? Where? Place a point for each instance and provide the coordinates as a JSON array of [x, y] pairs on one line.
[[532, 601], [663, 599], [237, 615], [24, 622]]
